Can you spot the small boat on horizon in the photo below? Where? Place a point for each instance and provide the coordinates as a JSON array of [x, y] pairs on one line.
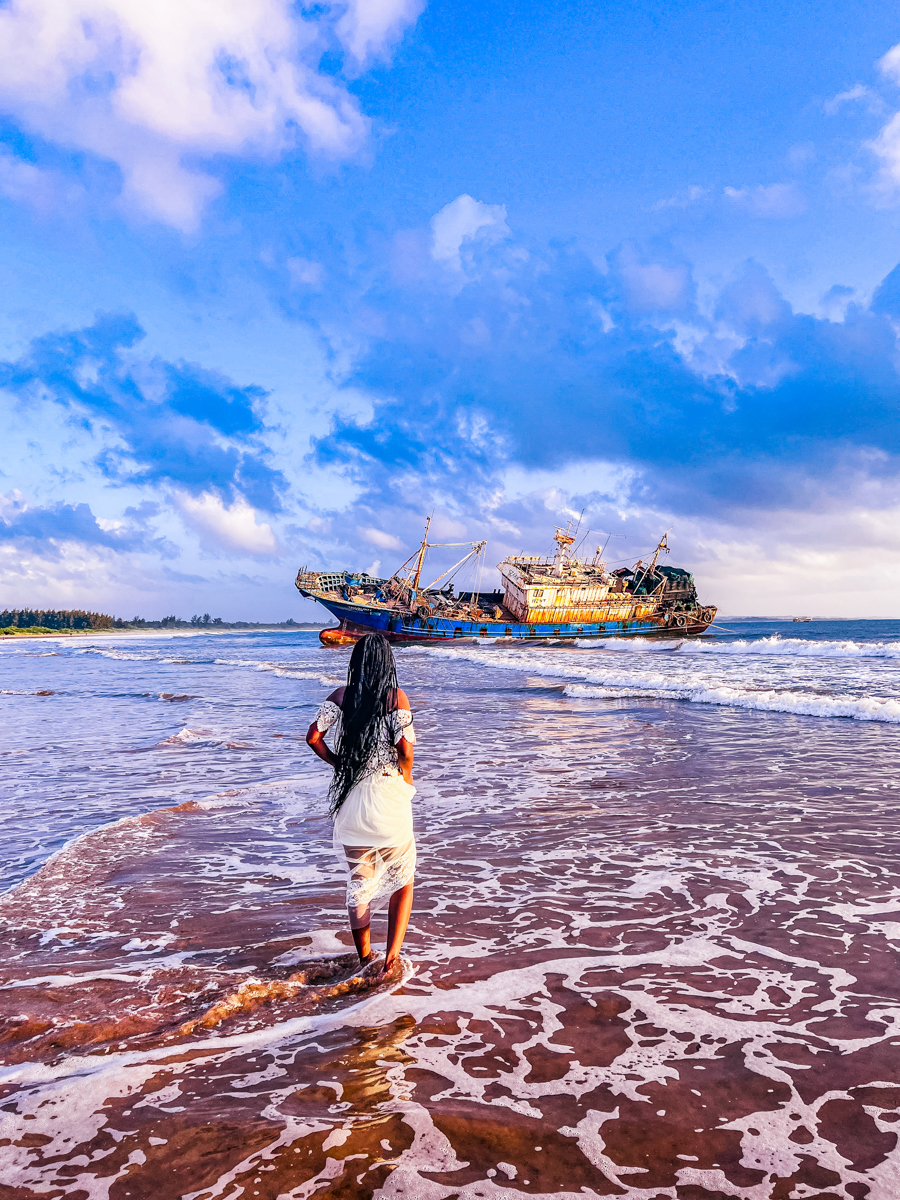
[[562, 596], [801, 620]]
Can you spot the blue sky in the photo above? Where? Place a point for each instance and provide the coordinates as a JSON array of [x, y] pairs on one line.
[[279, 280]]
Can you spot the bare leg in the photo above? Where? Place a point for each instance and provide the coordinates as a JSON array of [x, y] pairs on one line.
[[398, 918], [362, 942]]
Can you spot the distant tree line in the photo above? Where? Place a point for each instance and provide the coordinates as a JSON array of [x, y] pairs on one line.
[[76, 618], [70, 618]]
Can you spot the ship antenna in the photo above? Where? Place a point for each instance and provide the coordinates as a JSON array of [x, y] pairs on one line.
[[663, 545], [421, 559], [480, 568], [581, 543], [598, 557]]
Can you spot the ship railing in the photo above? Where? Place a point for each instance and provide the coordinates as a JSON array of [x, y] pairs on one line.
[[572, 566], [333, 581]]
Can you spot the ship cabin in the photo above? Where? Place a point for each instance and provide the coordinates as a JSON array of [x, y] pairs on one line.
[[558, 589]]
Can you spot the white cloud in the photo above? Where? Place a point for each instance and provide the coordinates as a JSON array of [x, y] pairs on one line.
[[369, 28], [887, 147], [652, 287], [801, 154], [887, 144], [889, 64], [72, 575], [231, 527], [776, 200], [745, 561], [25, 183], [815, 562], [319, 525], [443, 526], [384, 541], [873, 102], [682, 199], [305, 273], [11, 503], [465, 220], [154, 87]]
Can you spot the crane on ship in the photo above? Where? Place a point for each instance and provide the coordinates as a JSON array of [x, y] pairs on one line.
[[409, 588]]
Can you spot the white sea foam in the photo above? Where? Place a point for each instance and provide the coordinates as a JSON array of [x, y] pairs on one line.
[[865, 708], [190, 737], [114, 652], [774, 645], [285, 670], [674, 677], [633, 645], [796, 647]]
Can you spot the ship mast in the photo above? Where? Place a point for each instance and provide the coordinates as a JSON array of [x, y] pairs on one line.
[[421, 559], [651, 567], [663, 545], [563, 538]]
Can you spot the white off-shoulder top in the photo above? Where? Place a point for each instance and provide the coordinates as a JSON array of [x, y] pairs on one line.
[[398, 724]]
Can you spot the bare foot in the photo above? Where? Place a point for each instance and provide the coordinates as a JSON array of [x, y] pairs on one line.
[[387, 970], [372, 967]]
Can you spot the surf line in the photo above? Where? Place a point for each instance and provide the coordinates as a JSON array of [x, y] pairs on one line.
[[253, 993], [84, 1066]]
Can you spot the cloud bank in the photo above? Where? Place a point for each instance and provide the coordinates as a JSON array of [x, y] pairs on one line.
[[161, 423], [187, 437], [161, 89], [546, 358]]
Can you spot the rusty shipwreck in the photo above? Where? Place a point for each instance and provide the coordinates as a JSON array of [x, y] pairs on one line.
[[561, 596]]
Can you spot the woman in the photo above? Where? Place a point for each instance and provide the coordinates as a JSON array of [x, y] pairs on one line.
[[371, 791]]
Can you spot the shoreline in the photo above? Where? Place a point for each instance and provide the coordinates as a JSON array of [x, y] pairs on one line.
[[189, 631]]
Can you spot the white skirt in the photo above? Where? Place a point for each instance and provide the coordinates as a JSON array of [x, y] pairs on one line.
[[373, 839]]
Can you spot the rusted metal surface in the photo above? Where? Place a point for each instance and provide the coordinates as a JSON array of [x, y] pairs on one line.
[[341, 636]]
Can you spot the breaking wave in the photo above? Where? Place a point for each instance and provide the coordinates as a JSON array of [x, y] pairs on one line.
[[791, 647], [866, 708], [285, 670], [682, 678]]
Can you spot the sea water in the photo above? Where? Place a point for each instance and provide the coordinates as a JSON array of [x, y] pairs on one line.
[[653, 952]]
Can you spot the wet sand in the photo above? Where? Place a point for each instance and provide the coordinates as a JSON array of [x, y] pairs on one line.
[[654, 953]]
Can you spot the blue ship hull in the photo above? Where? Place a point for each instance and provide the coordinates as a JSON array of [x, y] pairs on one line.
[[356, 620]]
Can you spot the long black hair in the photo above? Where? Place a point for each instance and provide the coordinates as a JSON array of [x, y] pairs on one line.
[[371, 694]]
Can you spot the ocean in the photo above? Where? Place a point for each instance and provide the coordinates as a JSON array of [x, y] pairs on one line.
[[654, 951]]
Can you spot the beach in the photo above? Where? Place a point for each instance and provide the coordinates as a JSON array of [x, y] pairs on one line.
[[653, 951]]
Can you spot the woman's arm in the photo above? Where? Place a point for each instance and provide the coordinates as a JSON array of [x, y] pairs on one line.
[[405, 758], [315, 738], [404, 748]]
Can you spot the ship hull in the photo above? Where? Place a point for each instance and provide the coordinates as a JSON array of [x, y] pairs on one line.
[[355, 620]]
